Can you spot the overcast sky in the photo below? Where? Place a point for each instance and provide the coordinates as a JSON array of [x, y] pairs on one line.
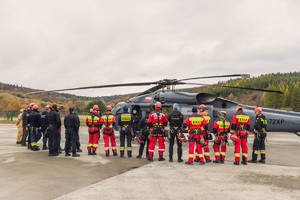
[[72, 43]]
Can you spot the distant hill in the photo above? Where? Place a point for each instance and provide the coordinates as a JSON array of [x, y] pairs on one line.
[[12, 96]]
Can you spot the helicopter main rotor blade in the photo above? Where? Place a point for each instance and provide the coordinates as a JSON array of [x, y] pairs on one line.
[[150, 90], [237, 87], [94, 87], [218, 76]]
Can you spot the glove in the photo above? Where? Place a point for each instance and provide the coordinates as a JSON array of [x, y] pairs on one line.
[[232, 132], [110, 126], [103, 126]]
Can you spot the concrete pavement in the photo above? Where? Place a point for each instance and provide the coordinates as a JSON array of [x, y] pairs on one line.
[[26, 174]]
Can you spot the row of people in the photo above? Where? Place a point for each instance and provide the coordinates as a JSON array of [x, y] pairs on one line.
[[152, 129]]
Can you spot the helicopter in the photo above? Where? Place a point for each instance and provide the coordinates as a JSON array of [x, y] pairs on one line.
[[164, 92]]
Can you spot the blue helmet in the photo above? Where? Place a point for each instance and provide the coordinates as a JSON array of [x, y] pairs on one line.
[[175, 106], [125, 108]]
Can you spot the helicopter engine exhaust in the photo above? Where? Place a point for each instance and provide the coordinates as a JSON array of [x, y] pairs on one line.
[[185, 98]]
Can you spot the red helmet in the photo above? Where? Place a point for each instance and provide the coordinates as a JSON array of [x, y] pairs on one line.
[[108, 108], [222, 112], [35, 107], [95, 112], [258, 110], [202, 107], [31, 104], [96, 107], [157, 104], [234, 138], [239, 107]]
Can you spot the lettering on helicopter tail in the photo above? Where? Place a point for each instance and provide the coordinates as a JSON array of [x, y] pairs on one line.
[[276, 121]]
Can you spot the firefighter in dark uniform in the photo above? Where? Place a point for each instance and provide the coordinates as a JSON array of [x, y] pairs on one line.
[[143, 136], [136, 118], [25, 115], [260, 128], [125, 122], [34, 121], [44, 126], [71, 123], [53, 123], [175, 121]]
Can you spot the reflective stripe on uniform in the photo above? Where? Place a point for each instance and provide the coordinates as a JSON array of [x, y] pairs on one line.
[[129, 149], [106, 148], [95, 145], [217, 154], [122, 148], [206, 154], [200, 155], [114, 148], [191, 156], [90, 145], [256, 152], [150, 150], [237, 155], [262, 152], [223, 153], [161, 149], [245, 155]]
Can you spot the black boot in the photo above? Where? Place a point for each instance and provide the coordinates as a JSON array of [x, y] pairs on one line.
[[129, 154], [139, 156], [67, 154], [74, 154], [122, 153], [79, 150], [262, 161], [94, 153], [90, 152], [115, 153], [161, 158], [45, 147], [170, 159], [179, 159]]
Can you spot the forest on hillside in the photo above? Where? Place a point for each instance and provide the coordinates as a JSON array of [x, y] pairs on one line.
[[288, 83]]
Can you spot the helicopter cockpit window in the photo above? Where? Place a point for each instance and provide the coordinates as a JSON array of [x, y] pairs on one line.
[[224, 105]]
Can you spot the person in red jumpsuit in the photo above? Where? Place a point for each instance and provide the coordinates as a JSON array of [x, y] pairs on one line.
[[107, 122], [157, 121], [221, 128], [195, 124], [240, 126], [205, 134], [93, 123]]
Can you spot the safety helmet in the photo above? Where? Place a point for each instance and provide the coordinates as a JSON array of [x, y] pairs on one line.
[[35, 107], [202, 107], [95, 112], [175, 106], [125, 108], [234, 138], [222, 112], [258, 110], [31, 104], [96, 107], [239, 107], [47, 107], [108, 108], [157, 104], [194, 109]]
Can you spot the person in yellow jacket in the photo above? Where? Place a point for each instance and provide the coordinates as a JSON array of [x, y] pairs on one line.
[[20, 128]]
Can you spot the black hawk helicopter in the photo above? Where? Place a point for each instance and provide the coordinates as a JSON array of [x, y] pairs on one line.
[[164, 91]]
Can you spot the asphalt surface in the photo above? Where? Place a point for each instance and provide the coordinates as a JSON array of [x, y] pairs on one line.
[[27, 175]]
